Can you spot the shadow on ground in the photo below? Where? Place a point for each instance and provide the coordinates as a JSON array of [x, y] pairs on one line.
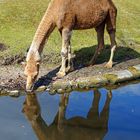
[[83, 56], [46, 79]]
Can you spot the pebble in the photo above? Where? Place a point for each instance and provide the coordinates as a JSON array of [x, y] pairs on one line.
[[14, 93], [41, 88]]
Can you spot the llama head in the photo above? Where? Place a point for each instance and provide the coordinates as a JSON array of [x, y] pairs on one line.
[[31, 107], [31, 71]]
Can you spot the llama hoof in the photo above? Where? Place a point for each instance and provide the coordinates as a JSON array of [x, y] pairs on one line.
[[54, 78], [108, 65], [89, 64], [60, 74]]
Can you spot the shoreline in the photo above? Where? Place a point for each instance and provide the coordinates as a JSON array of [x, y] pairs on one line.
[[12, 80]]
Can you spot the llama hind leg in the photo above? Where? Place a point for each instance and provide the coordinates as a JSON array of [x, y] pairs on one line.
[[110, 62], [100, 38], [113, 48], [111, 28]]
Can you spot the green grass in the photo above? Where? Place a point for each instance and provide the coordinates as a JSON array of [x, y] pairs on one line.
[[19, 20]]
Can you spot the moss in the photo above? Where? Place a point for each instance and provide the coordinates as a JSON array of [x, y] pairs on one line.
[[82, 84], [87, 82], [4, 93], [60, 84], [134, 71], [98, 80], [91, 82], [112, 78]]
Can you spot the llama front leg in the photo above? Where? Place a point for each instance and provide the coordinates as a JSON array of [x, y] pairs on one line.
[[70, 66], [66, 35], [64, 55]]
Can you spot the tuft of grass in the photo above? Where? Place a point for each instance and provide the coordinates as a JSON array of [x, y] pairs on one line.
[[19, 20]]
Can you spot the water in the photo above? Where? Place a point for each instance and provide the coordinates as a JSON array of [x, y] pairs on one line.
[[92, 115]]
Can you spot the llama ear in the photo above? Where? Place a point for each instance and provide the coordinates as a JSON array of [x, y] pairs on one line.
[[23, 64]]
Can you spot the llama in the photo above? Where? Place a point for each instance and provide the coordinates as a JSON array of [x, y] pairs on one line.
[[69, 15]]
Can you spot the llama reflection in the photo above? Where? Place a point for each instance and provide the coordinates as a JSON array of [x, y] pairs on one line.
[[94, 127]]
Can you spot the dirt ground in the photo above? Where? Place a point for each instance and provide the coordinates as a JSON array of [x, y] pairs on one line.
[[11, 76]]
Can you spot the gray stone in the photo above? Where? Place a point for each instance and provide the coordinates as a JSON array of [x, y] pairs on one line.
[[124, 74], [60, 91], [137, 67], [41, 88], [14, 93]]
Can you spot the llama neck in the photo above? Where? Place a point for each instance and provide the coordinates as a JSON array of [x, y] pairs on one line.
[[43, 32]]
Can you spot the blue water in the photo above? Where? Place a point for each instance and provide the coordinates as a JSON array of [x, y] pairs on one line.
[[95, 114]]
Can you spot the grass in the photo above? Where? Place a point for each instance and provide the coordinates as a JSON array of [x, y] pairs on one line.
[[19, 20]]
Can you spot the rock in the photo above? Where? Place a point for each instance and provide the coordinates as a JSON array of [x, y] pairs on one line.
[[41, 88], [3, 92], [137, 67], [52, 91], [135, 70], [92, 82], [14, 93], [119, 76], [60, 91]]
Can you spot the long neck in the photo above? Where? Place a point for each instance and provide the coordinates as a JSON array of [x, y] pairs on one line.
[[32, 111], [45, 28]]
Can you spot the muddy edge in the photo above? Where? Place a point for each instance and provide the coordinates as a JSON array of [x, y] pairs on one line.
[[108, 79]]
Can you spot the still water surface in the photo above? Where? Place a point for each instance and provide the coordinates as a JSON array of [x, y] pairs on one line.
[[92, 115]]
